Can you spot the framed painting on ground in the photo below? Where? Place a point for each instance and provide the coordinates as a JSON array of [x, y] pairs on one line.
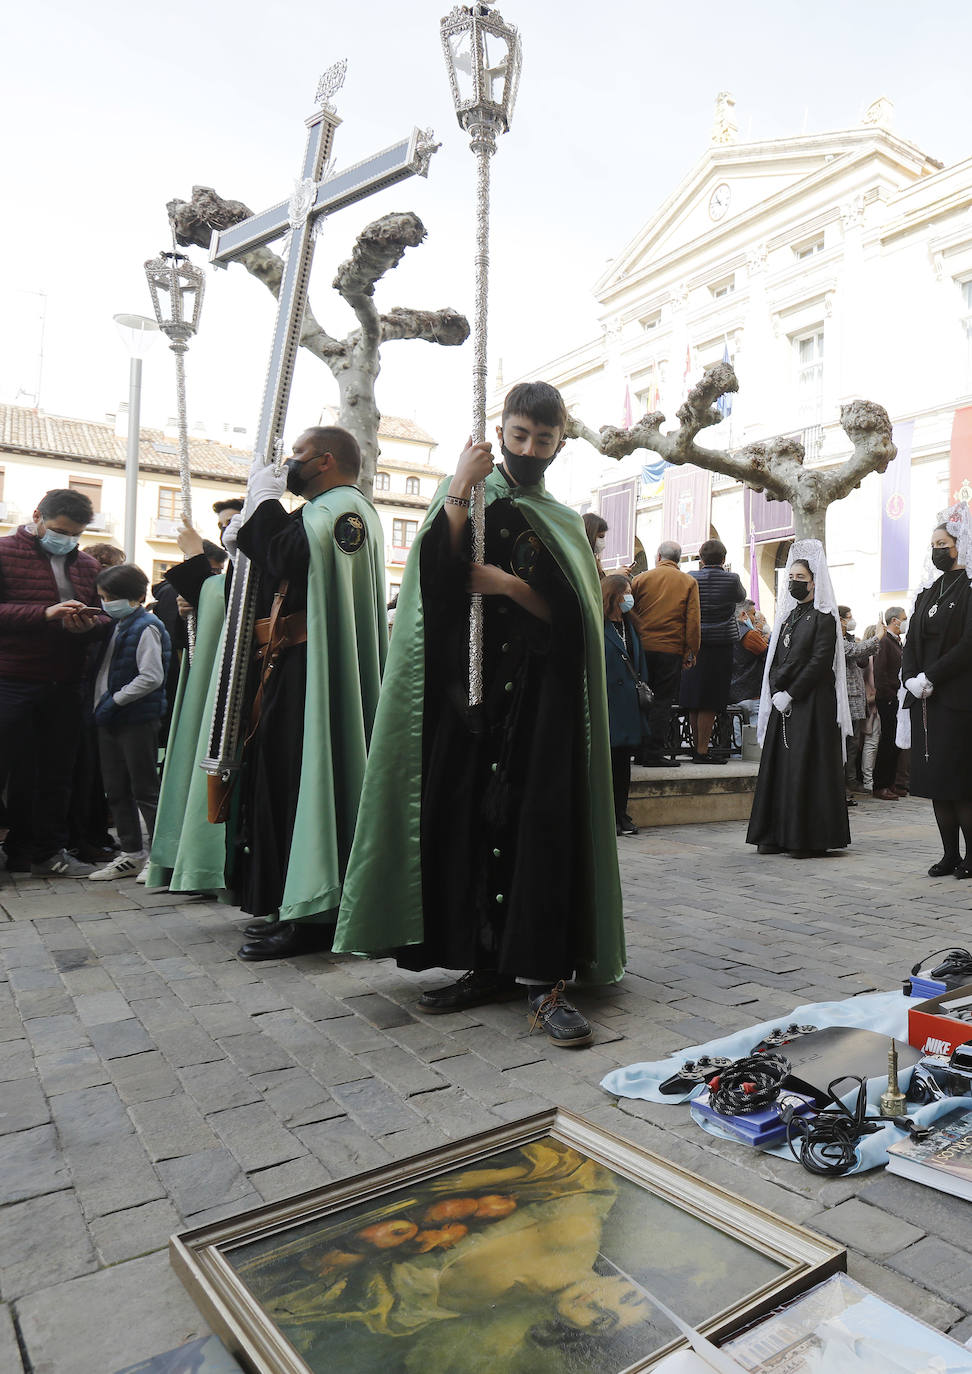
[[533, 1248]]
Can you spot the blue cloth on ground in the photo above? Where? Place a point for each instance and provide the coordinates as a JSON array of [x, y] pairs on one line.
[[885, 1012]]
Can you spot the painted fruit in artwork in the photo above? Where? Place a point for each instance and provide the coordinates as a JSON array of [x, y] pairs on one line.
[[495, 1205], [386, 1234], [443, 1239], [451, 1209]]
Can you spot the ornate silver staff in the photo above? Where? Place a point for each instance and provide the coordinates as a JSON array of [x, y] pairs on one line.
[[184, 284], [484, 58]]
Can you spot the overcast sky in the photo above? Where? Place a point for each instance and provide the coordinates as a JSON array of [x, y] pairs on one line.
[[110, 109]]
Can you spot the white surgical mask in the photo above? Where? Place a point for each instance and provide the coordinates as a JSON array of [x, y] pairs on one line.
[[599, 545], [627, 602], [852, 624]]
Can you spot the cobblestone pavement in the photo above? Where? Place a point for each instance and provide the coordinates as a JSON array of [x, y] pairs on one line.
[[150, 1080]]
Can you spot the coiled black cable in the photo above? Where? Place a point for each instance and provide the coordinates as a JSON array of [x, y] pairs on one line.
[[826, 1144], [748, 1085]]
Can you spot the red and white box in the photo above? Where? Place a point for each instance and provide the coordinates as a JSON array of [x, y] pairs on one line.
[[932, 1028]]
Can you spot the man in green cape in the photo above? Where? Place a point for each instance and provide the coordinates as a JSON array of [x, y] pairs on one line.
[[323, 630], [486, 839]]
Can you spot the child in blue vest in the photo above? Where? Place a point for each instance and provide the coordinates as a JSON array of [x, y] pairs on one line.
[[129, 697]]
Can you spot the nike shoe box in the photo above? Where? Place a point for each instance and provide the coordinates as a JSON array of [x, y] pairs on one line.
[[939, 1024]]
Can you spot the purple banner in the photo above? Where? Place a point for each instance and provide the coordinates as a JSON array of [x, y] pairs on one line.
[[766, 521], [896, 512], [616, 504], [687, 507]]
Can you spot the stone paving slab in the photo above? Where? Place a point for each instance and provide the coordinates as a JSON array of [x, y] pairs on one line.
[[150, 1080]]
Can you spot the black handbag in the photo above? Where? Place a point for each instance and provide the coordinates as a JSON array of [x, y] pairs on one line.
[[643, 692]]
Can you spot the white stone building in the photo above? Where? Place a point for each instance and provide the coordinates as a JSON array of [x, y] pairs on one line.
[[39, 452], [405, 483], [828, 267]]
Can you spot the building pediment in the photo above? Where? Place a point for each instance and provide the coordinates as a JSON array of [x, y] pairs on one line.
[[731, 183]]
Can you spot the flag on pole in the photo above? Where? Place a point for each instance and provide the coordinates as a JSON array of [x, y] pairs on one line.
[[753, 575], [724, 403], [626, 420]]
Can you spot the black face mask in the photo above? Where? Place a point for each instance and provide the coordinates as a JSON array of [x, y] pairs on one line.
[[526, 471], [296, 481], [943, 559], [799, 590]]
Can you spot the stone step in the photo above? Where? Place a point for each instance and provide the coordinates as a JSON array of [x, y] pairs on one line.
[[692, 793]]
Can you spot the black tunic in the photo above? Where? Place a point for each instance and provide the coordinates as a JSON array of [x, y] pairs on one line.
[[799, 801], [276, 544], [940, 646], [503, 872]]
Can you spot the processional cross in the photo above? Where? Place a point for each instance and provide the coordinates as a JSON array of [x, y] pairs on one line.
[[317, 195]]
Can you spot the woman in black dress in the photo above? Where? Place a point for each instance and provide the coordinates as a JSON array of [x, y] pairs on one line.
[[936, 667], [803, 719], [624, 661], [704, 689]]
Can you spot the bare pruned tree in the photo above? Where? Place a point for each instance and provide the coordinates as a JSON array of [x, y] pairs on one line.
[[775, 467], [355, 360]]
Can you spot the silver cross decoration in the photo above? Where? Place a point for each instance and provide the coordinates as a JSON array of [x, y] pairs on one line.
[[319, 193]]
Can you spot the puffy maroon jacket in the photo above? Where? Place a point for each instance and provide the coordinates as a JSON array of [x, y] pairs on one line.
[[31, 647]]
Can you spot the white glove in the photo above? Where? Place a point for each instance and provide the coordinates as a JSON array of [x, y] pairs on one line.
[[919, 686], [230, 533], [264, 485], [782, 701]]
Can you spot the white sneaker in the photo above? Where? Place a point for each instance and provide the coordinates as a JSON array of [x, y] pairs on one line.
[[124, 866], [143, 874]]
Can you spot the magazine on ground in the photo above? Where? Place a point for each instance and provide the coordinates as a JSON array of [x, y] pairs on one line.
[[839, 1327], [943, 1159]]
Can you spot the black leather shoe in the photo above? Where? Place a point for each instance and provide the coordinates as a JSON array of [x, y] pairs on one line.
[[626, 826], [559, 1019], [945, 866], [282, 942], [962, 871], [656, 761], [259, 930], [768, 849], [473, 989]]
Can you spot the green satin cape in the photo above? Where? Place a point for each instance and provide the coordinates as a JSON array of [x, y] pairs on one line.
[[189, 854], [382, 904], [347, 639]]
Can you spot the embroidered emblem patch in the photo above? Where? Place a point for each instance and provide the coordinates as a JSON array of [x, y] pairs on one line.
[[349, 532], [526, 555]]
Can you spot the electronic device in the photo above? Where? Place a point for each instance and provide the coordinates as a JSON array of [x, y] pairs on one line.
[[823, 1056], [780, 1035], [692, 1073], [762, 1129], [954, 971]]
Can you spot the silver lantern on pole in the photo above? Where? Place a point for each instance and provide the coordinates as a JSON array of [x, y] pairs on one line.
[[484, 58], [176, 288]]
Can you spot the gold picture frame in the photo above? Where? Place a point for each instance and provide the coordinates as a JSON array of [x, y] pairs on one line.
[[529, 1247]]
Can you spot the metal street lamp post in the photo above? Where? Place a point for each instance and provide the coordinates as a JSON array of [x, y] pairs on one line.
[[138, 333], [172, 274], [484, 58]]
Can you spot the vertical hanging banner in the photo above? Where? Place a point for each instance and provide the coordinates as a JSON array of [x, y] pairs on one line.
[[687, 507], [767, 521], [617, 504], [896, 512], [960, 459], [753, 568]]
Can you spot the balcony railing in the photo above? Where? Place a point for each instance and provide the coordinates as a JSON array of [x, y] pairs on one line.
[[6, 514], [161, 528], [396, 554], [101, 521]]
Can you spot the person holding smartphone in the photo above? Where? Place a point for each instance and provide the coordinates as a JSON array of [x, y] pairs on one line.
[[48, 616]]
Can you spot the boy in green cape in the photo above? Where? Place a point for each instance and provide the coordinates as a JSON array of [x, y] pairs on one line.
[[485, 840]]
